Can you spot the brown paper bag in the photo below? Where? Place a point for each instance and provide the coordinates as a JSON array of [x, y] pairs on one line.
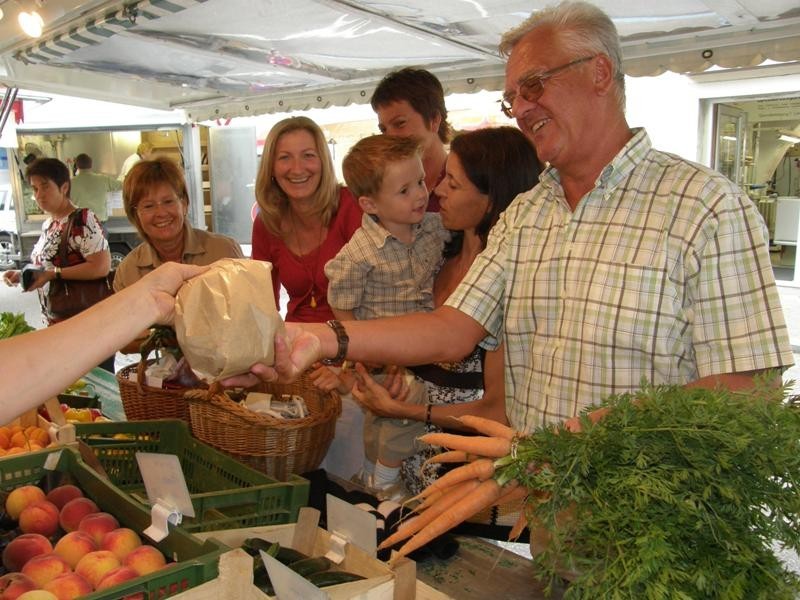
[[226, 319]]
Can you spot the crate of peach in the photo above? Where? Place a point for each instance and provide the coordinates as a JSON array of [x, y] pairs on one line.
[[19, 439], [30, 432], [69, 533]]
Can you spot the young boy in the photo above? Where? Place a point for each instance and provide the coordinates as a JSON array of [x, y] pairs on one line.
[[386, 269]]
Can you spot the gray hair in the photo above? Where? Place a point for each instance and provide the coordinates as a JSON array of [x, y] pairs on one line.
[[582, 28]]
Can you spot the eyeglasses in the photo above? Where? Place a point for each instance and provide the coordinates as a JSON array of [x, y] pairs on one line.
[[149, 206], [532, 87]]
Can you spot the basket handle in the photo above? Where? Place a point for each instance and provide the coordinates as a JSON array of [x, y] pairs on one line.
[[206, 394], [140, 368], [140, 374], [214, 389]]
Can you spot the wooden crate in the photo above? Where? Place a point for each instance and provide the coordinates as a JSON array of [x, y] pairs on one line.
[[381, 581], [235, 582], [61, 433]]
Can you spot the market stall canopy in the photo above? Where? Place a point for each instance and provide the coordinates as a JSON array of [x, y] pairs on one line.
[[221, 58]]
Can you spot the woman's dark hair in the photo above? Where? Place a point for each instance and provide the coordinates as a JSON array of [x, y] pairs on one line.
[[502, 163], [48, 168]]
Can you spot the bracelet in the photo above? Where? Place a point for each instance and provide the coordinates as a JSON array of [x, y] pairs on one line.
[[341, 339], [428, 415], [58, 272]]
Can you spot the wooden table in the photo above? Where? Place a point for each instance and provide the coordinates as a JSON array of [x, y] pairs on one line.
[[481, 570]]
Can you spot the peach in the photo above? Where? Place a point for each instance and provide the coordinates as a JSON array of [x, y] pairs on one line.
[[69, 586], [45, 567], [64, 493], [115, 577], [39, 517], [98, 525], [38, 595], [95, 565], [74, 546], [73, 512], [13, 585], [21, 497], [23, 548], [145, 559], [121, 542]]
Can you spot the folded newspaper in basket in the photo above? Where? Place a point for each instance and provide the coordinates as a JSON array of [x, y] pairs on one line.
[[285, 406], [226, 319]]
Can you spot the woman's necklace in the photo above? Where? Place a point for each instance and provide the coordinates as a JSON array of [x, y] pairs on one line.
[[312, 272]]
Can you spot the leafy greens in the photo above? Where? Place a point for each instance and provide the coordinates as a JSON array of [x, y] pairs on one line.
[[676, 493]]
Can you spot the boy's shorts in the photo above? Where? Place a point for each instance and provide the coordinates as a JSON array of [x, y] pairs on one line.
[[390, 440]]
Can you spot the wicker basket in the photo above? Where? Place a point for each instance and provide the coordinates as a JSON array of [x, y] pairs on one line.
[[143, 402], [273, 446]]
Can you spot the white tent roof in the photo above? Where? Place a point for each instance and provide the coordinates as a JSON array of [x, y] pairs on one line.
[[220, 58]]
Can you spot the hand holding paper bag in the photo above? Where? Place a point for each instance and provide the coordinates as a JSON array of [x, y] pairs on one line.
[[226, 319]]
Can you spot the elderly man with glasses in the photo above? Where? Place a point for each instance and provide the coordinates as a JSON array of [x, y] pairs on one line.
[[624, 263]]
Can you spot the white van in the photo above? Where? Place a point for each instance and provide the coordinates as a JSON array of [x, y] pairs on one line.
[[9, 239]]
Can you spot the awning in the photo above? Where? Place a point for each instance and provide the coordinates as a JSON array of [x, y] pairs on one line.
[[222, 58]]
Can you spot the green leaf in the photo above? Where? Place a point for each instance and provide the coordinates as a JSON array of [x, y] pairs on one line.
[[676, 493], [12, 324]]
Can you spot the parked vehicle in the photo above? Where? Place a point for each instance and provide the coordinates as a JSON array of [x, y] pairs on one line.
[[9, 239]]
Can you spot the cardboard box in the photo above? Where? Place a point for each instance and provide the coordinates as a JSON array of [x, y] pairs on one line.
[[381, 582], [235, 582]]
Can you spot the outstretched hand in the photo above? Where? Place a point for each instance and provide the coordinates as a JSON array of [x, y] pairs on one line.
[[383, 400], [163, 283], [295, 351]]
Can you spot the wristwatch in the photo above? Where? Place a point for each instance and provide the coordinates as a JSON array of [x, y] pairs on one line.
[[341, 339], [58, 272]]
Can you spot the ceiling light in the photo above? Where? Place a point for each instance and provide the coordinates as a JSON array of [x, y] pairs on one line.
[[31, 23], [790, 138]]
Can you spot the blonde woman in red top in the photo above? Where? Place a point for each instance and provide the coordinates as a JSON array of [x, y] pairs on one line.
[[305, 216]]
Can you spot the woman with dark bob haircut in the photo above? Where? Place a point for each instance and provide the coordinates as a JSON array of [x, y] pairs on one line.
[[486, 169], [87, 254]]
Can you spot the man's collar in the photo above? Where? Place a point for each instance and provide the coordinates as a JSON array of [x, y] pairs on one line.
[[630, 155]]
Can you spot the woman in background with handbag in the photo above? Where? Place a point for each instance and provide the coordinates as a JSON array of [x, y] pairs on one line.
[[70, 261]]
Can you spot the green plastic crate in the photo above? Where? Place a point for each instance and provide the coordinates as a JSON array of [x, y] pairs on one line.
[[196, 562], [225, 493]]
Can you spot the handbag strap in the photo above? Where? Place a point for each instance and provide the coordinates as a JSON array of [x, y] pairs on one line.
[[63, 244]]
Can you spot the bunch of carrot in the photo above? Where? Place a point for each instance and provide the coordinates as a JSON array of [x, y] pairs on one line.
[[466, 490]]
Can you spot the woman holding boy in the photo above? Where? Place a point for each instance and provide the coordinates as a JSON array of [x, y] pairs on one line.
[[486, 169]]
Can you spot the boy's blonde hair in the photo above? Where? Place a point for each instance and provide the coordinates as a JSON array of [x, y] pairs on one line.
[[365, 164]]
